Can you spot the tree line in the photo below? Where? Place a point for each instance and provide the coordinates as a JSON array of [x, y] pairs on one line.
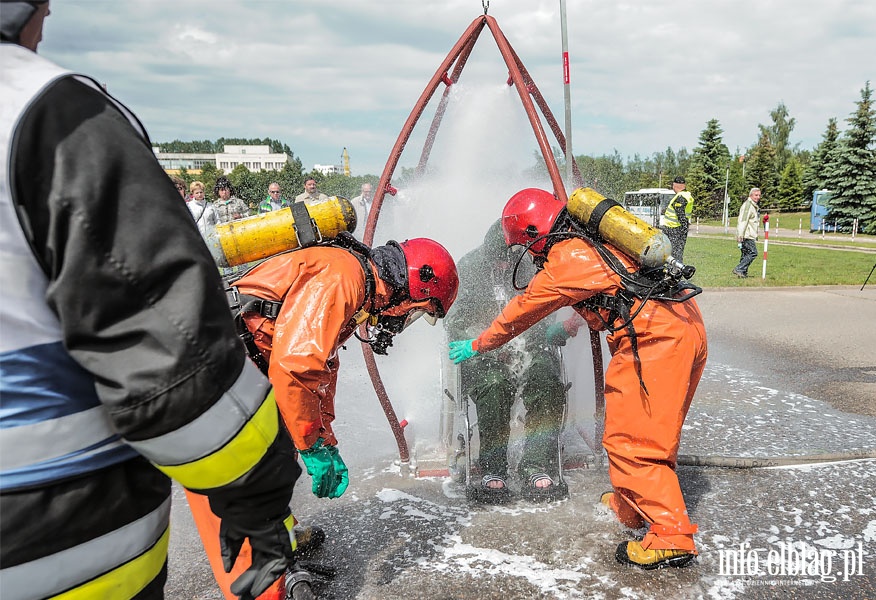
[[843, 162]]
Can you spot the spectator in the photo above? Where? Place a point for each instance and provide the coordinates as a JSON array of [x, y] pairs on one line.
[[274, 201], [746, 233], [228, 207], [362, 206], [121, 366], [310, 195], [202, 211], [495, 380], [676, 219], [180, 186]]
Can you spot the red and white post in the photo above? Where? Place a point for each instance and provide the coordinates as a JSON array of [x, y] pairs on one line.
[[766, 242]]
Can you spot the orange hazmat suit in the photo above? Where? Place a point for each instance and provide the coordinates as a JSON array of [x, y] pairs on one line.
[[642, 429], [321, 289]]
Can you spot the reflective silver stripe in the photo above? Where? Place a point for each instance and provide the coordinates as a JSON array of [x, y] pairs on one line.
[[63, 570], [68, 434], [27, 319], [214, 428]]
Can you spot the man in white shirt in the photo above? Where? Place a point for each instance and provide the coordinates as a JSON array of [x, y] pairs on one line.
[[362, 205]]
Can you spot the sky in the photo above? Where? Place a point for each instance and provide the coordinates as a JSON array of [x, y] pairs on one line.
[[323, 76]]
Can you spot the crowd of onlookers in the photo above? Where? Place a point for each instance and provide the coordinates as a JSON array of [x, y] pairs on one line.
[[226, 206]]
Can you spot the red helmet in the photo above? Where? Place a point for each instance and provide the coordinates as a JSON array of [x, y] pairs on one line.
[[530, 214], [431, 273]]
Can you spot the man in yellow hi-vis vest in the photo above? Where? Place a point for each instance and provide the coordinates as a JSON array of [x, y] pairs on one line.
[[676, 219]]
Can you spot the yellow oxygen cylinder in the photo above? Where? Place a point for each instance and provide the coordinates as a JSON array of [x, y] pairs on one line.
[[260, 236], [628, 233]]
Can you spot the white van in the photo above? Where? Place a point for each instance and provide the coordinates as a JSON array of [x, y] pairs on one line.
[[648, 204]]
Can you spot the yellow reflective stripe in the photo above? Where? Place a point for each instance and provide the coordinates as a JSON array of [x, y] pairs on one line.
[[127, 580], [289, 522], [236, 457]]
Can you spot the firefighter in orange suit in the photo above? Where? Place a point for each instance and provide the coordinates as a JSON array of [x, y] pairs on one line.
[[301, 306], [298, 308], [651, 378]]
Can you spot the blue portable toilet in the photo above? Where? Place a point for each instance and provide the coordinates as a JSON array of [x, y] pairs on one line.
[[820, 198]]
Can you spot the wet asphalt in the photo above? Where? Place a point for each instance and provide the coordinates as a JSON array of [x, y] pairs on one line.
[[791, 373]]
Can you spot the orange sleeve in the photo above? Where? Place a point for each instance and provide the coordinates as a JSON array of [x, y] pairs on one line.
[[573, 272], [326, 292]]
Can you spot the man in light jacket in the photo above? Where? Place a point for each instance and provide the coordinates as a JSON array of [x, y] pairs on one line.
[[746, 233]]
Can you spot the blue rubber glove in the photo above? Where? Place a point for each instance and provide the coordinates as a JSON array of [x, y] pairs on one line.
[[557, 335], [461, 350], [342, 479], [321, 467]]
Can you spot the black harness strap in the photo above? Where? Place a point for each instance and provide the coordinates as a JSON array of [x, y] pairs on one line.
[[305, 229], [619, 308], [598, 212], [270, 309], [249, 342], [644, 284], [266, 308]]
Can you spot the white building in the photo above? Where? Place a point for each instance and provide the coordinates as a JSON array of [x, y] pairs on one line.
[[328, 169], [254, 158]]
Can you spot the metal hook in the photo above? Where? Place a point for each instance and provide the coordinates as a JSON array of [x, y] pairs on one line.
[[486, 5]]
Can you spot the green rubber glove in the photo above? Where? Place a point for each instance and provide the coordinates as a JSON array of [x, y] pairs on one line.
[[320, 467], [342, 479], [557, 335], [461, 350]]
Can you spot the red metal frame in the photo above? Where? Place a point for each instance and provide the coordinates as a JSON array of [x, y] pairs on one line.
[[518, 77]]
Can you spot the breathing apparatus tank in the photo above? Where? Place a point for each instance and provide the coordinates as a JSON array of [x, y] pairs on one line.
[[648, 246], [260, 236]]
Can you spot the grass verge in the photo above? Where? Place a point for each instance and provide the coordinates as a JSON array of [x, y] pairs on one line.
[[787, 265]]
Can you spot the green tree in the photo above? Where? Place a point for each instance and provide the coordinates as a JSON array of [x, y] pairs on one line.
[[706, 178], [779, 133], [209, 174], [814, 177], [606, 174], [791, 187], [852, 173], [761, 171], [347, 187], [247, 186], [196, 147], [737, 190], [291, 179]]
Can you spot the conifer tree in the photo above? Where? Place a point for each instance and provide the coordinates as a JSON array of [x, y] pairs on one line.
[[761, 171], [706, 173], [779, 133], [852, 173], [819, 164], [791, 186]]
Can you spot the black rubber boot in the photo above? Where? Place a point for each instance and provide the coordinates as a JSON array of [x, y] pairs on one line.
[[308, 539]]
